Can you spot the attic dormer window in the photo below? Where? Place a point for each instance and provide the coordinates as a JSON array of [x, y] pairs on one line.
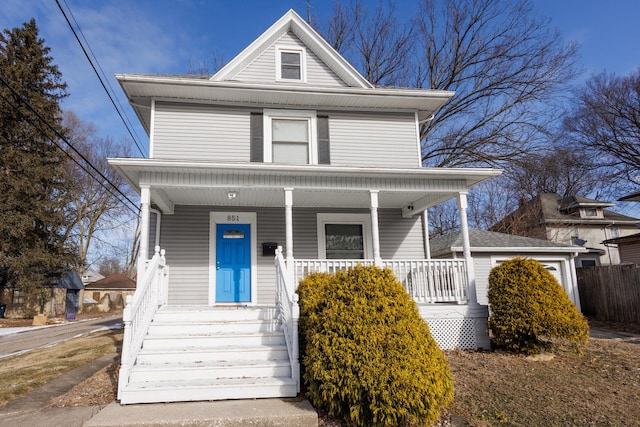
[[290, 64], [591, 212]]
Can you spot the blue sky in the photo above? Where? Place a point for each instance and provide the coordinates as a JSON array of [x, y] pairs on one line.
[[165, 36]]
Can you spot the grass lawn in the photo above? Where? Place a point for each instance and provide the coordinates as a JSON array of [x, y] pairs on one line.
[[23, 373]]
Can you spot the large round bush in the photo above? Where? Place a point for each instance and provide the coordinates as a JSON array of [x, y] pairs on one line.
[[367, 354], [529, 307]]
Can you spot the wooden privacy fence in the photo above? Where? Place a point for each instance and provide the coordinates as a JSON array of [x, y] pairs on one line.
[[611, 292]]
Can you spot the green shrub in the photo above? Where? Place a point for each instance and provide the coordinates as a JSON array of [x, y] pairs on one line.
[[368, 355], [529, 307]]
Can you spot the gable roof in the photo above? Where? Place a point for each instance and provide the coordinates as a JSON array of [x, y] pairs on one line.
[[292, 22], [491, 241], [113, 281]]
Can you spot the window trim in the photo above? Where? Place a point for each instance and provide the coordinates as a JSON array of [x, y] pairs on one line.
[[303, 61], [312, 123], [344, 218]]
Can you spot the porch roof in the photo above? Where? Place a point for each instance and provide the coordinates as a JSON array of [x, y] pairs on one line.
[[259, 184]]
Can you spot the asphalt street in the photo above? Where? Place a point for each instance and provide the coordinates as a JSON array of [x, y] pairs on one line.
[[26, 339]]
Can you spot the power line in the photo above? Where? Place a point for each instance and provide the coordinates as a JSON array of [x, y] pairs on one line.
[[135, 141], [135, 210], [100, 67]]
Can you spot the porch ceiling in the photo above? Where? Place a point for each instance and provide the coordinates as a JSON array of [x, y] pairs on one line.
[[205, 183]]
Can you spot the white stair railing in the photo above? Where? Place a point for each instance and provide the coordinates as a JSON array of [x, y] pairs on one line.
[[289, 313], [151, 293]]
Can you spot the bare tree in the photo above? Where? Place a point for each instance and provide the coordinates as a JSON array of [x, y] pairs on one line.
[[374, 40], [505, 64], [96, 208], [606, 120], [110, 266], [566, 171]]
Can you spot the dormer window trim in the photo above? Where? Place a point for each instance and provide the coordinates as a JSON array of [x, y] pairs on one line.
[[288, 53]]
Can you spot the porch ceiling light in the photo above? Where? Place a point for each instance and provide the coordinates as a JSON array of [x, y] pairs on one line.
[[232, 195]]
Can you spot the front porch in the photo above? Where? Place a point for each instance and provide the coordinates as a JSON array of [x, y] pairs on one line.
[[328, 218]]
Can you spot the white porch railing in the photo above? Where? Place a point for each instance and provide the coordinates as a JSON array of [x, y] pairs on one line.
[[289, 312], [151, 293], [427, 281]]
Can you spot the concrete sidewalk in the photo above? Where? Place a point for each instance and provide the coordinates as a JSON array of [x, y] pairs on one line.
[[32, 411], [254, 412]]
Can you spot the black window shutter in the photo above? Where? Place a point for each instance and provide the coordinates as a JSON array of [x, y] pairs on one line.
[[257, 138], [324, 154]]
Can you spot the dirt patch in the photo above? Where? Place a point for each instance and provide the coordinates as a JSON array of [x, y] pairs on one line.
[[101, 389]]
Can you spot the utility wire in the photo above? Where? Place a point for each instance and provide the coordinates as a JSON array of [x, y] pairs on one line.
[[100, 67], [100, 78], [135, 210]]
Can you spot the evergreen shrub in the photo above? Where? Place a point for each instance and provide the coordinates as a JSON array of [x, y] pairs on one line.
[[368, 356], [529, 307]]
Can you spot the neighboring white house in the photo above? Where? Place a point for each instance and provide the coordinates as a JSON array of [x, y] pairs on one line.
[[489, 249], [286, 146]]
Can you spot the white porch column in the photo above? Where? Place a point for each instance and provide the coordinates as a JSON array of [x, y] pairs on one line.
[[425, 234], [375, 232], [145, 201], [466, 247], [288, 219]]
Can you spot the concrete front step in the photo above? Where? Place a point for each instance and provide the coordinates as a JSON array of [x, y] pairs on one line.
[[214, 314], [216, 370], [203, 327], [213, 354], [212, 340], [206, 389]]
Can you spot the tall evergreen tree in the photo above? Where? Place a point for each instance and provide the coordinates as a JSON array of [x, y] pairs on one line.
[[33, 183]]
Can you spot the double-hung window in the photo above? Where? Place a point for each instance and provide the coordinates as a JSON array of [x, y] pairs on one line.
[[290, 64], [290, 137]]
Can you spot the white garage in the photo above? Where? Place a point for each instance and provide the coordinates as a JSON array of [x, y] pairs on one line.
[[489, 249]]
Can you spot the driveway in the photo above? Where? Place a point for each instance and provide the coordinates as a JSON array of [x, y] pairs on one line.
[[610, 334]]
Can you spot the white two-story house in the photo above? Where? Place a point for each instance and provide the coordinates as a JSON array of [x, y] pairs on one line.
[[285, 161]]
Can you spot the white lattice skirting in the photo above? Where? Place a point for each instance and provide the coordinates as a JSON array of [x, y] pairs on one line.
[[457, 326]]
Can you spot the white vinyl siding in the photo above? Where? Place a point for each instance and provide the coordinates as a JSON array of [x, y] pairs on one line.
[[185, 236], [482, 266], [201, 132], [263, 68], [373, 139]]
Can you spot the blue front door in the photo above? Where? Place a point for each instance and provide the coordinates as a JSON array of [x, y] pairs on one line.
[[233, 263]]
